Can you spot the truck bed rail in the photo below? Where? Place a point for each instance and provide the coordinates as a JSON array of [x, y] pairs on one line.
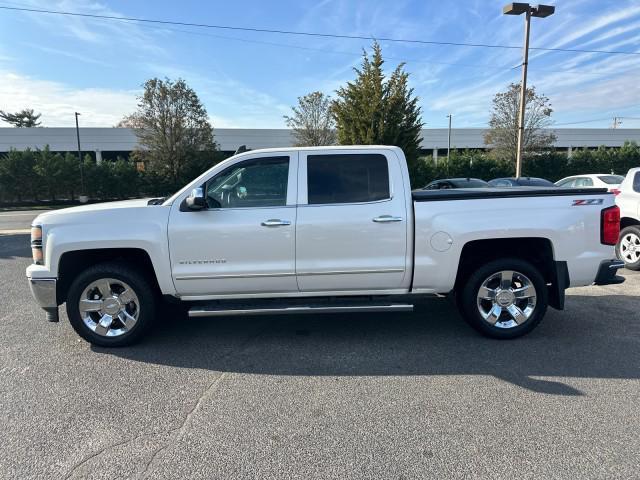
[[484, 193]]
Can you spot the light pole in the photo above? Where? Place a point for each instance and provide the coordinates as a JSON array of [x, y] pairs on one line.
[[83, 198], [449, 141], [540, 11]]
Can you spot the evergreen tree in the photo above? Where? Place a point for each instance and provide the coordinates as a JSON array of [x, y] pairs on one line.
[[25, 118], [373, 110]]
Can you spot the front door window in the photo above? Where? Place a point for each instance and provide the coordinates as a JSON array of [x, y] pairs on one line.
[[255, 183]]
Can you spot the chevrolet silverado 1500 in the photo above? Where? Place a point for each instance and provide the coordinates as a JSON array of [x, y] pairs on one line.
[[324, 229]]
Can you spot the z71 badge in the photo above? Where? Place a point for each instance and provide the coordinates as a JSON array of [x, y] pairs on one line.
[[592, 201]]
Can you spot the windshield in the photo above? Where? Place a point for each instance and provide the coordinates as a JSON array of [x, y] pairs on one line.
[[611, 179]]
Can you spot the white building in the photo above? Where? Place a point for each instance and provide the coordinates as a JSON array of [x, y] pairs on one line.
[[110, 142]]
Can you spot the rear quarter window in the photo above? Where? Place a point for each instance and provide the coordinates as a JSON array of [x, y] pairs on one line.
[[611, 179], [636, 182]]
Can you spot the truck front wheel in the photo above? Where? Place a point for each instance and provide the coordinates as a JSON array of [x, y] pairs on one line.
[[111, 305], [504, 298]]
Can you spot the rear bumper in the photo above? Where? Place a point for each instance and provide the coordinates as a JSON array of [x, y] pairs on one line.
[[607, 273]]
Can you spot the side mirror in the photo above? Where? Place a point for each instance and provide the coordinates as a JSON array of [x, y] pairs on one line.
[[196, 200]]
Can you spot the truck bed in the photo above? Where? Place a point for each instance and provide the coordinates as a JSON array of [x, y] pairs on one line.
[[501, 192]]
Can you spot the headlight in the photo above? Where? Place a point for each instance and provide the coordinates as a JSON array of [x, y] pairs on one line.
[[36, 244]]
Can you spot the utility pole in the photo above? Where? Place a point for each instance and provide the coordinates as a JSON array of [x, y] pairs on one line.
[[540, 11], [80, 159], [449, 142], [523, 93]]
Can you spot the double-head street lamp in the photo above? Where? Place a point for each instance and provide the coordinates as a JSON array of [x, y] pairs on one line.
[[540, 11]]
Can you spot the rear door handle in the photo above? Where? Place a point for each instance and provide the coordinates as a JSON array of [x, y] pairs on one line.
[[275, 222], [387, 219]]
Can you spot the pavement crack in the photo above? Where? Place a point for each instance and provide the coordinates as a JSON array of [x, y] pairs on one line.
[[97, 453], [176, 434]]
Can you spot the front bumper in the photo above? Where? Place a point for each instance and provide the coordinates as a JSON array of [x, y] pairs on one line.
[[45, 293], [607, 273]]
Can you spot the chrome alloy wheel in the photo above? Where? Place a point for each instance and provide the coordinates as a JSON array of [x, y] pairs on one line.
[[506, 299], [109, 307], [630, 248]]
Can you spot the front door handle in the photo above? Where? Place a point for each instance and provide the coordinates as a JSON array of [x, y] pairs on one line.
[[275, 222], [387, 219]]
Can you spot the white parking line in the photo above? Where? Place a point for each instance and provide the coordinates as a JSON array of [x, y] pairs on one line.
[[19, 214], [15, 232]]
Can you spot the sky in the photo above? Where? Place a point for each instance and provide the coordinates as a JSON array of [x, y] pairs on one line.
[[58, 65]]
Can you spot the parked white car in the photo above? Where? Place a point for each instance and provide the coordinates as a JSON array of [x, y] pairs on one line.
[[325, 229], [628, 247], [598, 180]]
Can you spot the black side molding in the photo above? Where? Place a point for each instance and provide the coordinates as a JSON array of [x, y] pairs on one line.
[[559, 283], [607, 273]]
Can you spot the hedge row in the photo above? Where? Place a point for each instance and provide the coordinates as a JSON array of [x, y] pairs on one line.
[[551, 165], [34, 176]]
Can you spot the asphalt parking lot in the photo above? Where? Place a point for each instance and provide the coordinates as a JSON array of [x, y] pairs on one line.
[[12, 222], [399, 396]]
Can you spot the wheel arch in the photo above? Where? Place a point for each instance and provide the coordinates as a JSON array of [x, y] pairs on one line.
[[628, 222], [73, 262], [536, 250]]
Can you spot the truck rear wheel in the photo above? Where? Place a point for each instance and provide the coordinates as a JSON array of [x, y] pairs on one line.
[[110, 305], [504, 298], [628, 247]]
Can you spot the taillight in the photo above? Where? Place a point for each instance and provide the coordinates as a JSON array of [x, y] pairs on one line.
[[610, 225], [615, 191]]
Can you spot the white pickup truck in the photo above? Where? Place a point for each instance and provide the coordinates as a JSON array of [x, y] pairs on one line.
[[325, 229]]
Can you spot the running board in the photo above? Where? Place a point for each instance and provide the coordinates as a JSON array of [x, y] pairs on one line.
[[224, 312]]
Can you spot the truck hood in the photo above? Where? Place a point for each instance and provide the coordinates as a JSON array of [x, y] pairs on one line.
[[65, 215]]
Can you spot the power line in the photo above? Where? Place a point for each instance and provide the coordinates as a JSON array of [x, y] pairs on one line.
[[326, 51], [595, 120], [502, 68], [583, 121], [307, 34]]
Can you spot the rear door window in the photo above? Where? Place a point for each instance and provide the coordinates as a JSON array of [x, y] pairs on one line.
[[636, 182], [347, 178]]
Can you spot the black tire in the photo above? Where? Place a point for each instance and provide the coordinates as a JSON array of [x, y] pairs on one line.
[[145, 293], [632, 230], [467, 298]]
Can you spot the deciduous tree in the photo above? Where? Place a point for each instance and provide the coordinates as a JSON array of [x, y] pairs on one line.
[[172, 127], [502, 135], [312, 121]]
